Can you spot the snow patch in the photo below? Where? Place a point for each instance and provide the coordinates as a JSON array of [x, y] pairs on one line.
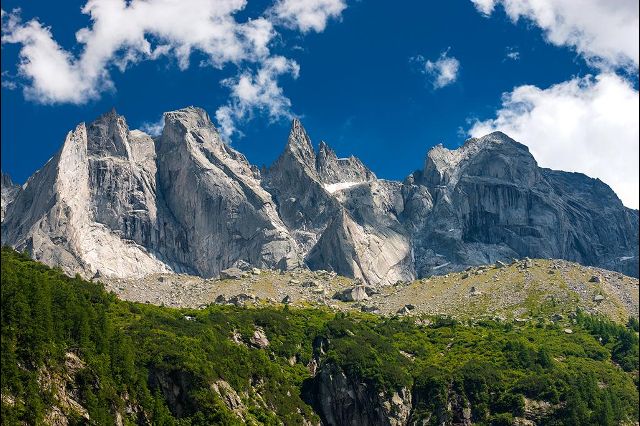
[[441, 266], [335, 187]]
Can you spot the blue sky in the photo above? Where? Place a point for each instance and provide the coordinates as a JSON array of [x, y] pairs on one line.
[[366, 83]]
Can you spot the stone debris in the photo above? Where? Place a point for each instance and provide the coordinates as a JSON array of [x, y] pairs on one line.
[[231, 274], [354, 294], [479, 296], [259, 338]]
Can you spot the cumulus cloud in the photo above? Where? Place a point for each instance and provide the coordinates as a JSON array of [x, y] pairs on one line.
[[121, 34], [604, 32], [307, 15], [124, 32], [441, 72], [588, 125], [257, 91]]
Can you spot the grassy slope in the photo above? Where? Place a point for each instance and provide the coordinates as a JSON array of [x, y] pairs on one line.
[[127, 350]]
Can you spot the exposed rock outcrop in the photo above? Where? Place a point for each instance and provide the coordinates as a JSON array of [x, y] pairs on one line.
[[488, 200], [84, 210], [9, 193], [343, 400], [216, 197], [113, 202]]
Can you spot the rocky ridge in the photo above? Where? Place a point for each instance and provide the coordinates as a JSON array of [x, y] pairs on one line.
[[114, 202]]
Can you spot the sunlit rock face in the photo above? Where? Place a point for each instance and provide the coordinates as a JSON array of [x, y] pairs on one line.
[[488, 201], [116, 202]]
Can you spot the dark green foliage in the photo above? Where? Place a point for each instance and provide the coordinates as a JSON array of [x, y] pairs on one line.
[[131, 351], [621, 341]]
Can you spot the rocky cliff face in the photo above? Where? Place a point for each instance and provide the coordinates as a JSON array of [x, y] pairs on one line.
[[339, 212], [488, 201], [343, 400], [115, 202], [9, 193], [216, 198]]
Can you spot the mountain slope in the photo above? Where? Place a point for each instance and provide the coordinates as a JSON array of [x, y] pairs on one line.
[[74, 354], [115, 202], [488, 201]]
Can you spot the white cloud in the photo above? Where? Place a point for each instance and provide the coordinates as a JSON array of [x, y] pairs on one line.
[[443, 71], [512, 54], [604, 32], [124, 32], [588, 125], [259, 91], [8, 81], [121, 34], [153, 128], [307, 15]]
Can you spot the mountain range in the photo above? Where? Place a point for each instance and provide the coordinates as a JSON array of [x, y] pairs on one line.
[[116, 202]]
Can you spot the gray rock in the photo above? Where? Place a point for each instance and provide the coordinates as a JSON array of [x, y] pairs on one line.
[[259, 338], [231, 274], [344, 400], [358, 293], [598, 298], [241, 299], [406, 309], [9, 193], [490, 200], [116, 200], [243, 265], [557, 317], [354, 294]]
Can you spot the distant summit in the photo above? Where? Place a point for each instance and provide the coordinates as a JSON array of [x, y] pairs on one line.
[[118, 203]]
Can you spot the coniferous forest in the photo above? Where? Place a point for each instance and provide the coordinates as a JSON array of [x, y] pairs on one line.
[[71, 349]]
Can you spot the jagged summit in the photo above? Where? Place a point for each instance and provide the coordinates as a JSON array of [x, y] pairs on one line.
[[299, 146], [334, 170], [108, 134], [119, 203]]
